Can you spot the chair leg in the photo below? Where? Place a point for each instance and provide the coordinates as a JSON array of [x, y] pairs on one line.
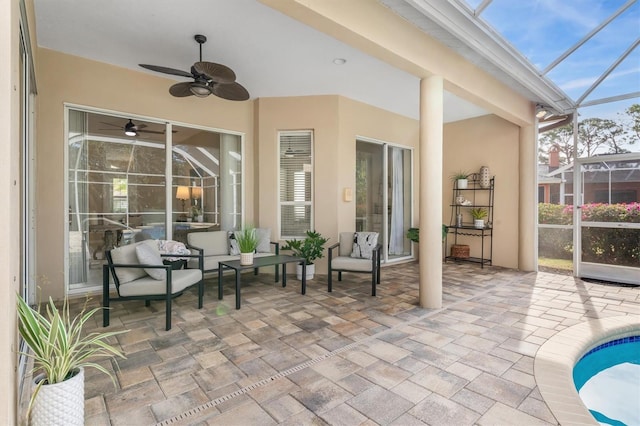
[[200, 293], [168, 313], [329, 279], [147, 302], [105, 296], [373, 282], [339, 275], [255, 271]]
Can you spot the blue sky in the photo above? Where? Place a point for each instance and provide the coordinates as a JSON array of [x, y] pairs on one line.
[[544, 29]]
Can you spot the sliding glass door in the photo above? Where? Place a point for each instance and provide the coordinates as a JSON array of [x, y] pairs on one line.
[[131, 179], [384, 195]]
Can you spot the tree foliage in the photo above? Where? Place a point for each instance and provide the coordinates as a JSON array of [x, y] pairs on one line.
[[595, 136]]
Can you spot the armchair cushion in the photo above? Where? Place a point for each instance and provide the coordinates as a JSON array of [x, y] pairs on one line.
[[363, 244], [148, 254], [127, 255], [213, 243], [180, 280]]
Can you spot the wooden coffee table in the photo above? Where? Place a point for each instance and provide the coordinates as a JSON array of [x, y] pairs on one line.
[[260, 262]]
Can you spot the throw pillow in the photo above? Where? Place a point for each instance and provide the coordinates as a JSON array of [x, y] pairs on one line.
[[363, 244], [234, 250], [148, 254]]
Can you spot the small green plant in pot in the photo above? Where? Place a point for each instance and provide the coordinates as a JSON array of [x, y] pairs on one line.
[[460, 178], [310, 248], [61, 351], [478, 215], [247, 243]]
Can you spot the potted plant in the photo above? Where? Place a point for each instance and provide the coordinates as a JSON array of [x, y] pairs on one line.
[[310, 248], [247, 243], [196, 213], [414, 233], [60, 352], [478, 215], [461, 179]]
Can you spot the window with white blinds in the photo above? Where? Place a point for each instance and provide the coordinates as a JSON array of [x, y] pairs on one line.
[[296, 183]]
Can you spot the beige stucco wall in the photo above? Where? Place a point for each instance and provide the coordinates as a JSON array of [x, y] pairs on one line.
[[494, 142], [337, 122], [65, 78]]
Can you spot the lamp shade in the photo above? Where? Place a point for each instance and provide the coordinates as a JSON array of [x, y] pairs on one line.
[[196, 192], [182, 193]]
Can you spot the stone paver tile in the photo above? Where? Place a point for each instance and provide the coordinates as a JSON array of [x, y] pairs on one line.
[[178, 385], [490, 364], [273, 390], [344, 415], [335, 368], [411, 391], [142, 395], [135, 416], [380, 405], [436, 410], [178, 404], [499, 389], [359, 357], [520, 378], [134, 376], [463, 370], [386, 351], [439, 381], [473, 400], [476, 343], [321, 395], [538, 409], [355, 384], [432, 339], [524, 348], [283, 407], [407, 420], [384, 374], [500, 415], [249, 413]]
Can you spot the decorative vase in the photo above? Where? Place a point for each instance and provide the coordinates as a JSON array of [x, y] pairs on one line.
[[478, 223], [459, 199], [462, 183], [59, 403], [246, 258], [311, 270], [485, 178]]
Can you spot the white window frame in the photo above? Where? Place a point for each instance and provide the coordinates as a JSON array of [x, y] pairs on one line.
[[302, 204]]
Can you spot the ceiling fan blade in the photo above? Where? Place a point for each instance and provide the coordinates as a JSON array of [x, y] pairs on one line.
[[119, 126], [180, 90], [215, 72], [167, 70], [232, 92], [155, 132]]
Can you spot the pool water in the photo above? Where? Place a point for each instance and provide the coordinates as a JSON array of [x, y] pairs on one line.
[[608, 381]]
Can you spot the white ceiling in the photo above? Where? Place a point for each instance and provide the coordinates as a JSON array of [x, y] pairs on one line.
[[272, 54]]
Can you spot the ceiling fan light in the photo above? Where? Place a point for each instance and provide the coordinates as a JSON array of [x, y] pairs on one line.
[[130, 132], [200, 90]]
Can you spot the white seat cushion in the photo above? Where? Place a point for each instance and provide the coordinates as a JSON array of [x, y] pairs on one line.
[[351, 264], [180, 279], [212, 242]]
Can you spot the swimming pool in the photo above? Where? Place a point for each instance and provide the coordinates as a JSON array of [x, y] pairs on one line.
[[608, 381]]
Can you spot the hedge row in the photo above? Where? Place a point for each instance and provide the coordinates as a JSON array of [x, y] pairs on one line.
[[599, 245]]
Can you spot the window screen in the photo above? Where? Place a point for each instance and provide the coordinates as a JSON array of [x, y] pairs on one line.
[[296, 179]]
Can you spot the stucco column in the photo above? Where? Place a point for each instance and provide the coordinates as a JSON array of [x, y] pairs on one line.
[[528, 206], [431, 113]]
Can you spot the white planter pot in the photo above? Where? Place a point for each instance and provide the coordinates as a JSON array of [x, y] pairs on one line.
[[200, 218], [462, 183], [478, 223], [60, 403], [311, 270], [246, 258]]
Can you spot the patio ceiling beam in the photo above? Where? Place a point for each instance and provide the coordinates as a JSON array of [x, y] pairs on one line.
[[608, 71], [586, 38]]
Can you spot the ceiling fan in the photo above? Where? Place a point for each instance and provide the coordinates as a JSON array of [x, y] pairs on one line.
[[208, 78], [131, 129]]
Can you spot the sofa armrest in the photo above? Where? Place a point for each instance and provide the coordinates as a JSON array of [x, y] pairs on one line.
[[277, 246], [199, 256], [330, 250]]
